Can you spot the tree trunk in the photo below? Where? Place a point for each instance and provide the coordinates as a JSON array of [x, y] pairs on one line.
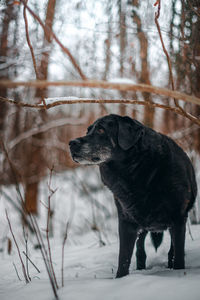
[[31, 188], [197, 71], [7, 18], [122, 42], [144, 77]]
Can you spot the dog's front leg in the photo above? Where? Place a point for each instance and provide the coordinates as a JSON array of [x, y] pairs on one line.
[[127, 237], [178, 238]]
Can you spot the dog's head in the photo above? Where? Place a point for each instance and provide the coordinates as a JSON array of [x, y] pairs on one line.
[[106, 139]]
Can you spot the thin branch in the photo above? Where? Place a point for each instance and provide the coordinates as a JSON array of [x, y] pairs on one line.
[[194, 10], [19, 209], [103, 85], [35, 228], [47, 229], [16, 272], [22, 263], [63, 247], [29, 42], [137, 102], [157, 15], [44, 253], [25, 234], [51, 33], [31, 262], [30, 46]]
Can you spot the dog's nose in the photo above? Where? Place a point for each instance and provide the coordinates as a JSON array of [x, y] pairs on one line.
[[75, 142]]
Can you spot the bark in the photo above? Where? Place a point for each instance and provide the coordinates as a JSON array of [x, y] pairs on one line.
[[197, 70], [144, 77], [108, 43], [36, 154], [122, 42], [7, 18]]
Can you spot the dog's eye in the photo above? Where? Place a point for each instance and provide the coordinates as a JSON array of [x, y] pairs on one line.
[[101, 131]]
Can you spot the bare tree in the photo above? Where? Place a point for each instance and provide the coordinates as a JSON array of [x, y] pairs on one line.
[[36, 158], [8, 16]]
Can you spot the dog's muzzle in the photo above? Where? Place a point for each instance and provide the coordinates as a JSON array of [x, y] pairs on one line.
[[75, 146]]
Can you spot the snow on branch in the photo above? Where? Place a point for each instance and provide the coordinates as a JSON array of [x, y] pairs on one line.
[[74, 100]]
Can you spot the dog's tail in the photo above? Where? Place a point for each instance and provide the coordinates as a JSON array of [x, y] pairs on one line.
[[156, 238]]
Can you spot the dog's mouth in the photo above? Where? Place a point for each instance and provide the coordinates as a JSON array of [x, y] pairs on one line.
[[77, 158], [80, 159], [95, 159]]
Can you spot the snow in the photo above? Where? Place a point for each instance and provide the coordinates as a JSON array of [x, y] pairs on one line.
[[55, 99], [89, 269], [122, 80]]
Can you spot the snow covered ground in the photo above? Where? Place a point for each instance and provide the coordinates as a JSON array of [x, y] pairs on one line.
[[89, 269]]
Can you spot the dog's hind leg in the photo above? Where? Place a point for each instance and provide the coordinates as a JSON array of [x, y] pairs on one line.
[[171, 253], [140, 251]]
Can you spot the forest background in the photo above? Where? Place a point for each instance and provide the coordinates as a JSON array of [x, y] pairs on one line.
[[65, 63]]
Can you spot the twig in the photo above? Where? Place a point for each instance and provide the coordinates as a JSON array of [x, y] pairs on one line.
[[63, 246], [22, 263], [31, 262], [26, 244], [16, 272], [47, 229], [19, 209], [44, 254]]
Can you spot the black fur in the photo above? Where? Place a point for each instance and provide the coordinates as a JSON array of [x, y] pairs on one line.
[[156, 238], [152, 180]]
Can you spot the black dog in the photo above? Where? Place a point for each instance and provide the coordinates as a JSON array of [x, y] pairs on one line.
[[152, 180]]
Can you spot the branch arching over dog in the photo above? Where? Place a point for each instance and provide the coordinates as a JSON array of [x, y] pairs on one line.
[[104, 85], [122, 101]]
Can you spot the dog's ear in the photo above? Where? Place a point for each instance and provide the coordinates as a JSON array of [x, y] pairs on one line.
[[129, 132]]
